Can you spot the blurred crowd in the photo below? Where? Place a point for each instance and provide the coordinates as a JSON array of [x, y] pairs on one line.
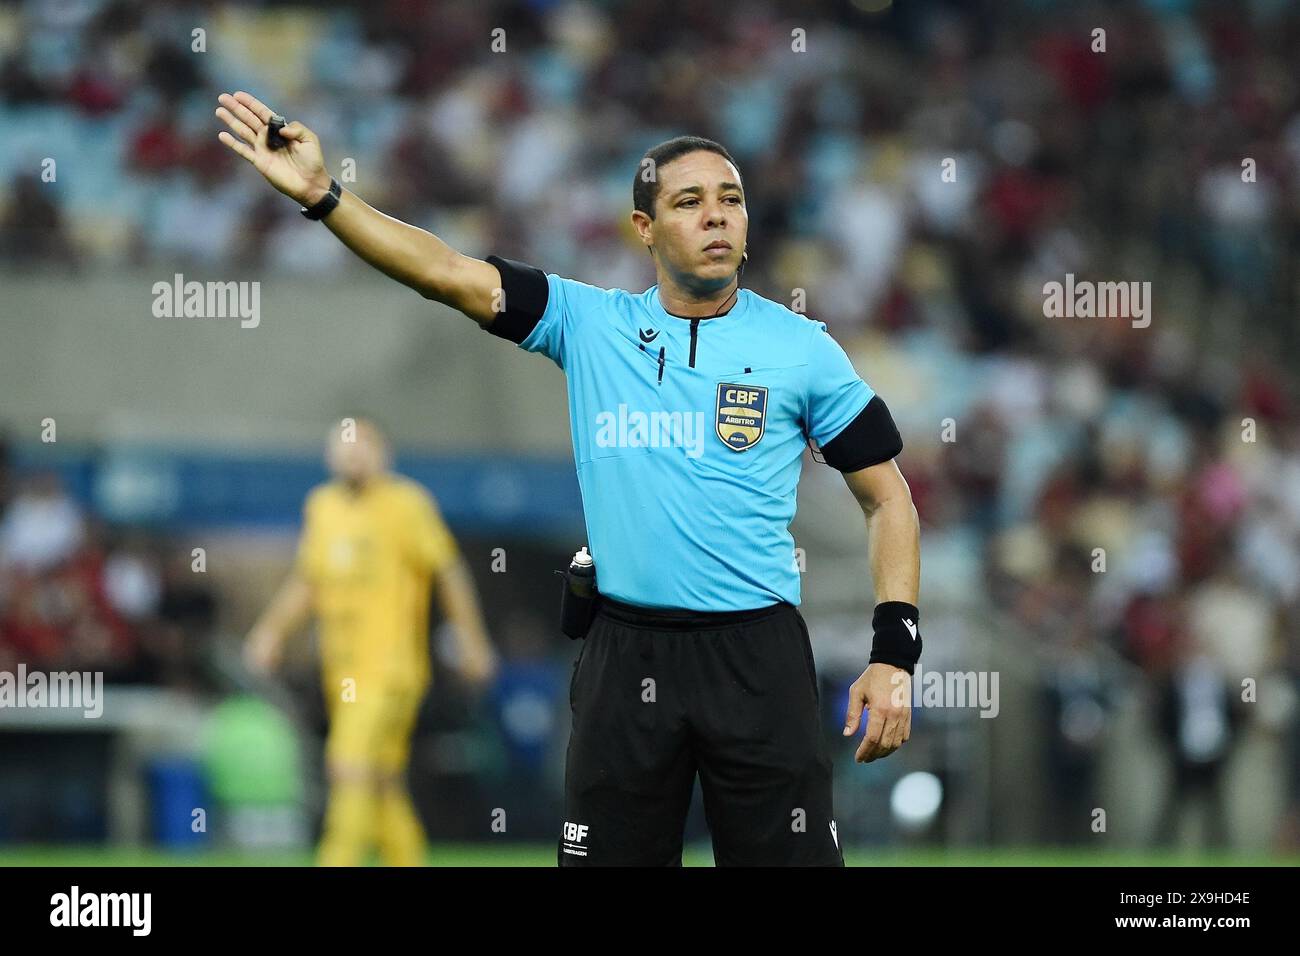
[[918, 170], [77, 596]]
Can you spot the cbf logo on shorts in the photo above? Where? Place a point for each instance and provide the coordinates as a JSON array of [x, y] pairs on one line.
[[574, 835], [742, 413]]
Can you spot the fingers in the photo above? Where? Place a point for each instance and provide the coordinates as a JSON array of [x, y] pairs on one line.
[[888, 740], [297, 131], [892, 738], [260, 109], [889, 724], [240, 147], [237, 125], [894, 732], [242, 113], [857, 698], [869, 749], [243, 122]]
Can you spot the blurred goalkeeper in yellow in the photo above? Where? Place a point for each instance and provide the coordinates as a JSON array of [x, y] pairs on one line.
[[372, 546]]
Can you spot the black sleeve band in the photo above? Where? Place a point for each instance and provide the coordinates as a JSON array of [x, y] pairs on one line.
[[868, 440], [525, 292]]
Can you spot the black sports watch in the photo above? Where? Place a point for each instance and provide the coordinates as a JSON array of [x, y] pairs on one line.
[[327, 203]]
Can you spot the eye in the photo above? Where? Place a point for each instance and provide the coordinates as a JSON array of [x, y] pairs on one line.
[[686, 201], [734, 199]]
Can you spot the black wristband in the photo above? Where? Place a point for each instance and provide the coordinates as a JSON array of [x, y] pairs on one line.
[[897, 635], [327, 202]]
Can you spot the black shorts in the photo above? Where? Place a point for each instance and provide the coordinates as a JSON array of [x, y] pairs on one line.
[[659, 695]]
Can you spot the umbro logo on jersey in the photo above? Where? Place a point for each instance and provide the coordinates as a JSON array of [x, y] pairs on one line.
[[648, 335], [911, 628]]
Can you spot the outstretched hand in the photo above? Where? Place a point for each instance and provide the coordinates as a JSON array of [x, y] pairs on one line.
[[297, 170]]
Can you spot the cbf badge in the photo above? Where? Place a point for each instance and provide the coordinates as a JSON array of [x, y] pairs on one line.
[[742, 412]]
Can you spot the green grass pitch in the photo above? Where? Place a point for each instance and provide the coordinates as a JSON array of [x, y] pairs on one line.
[[543, 855]]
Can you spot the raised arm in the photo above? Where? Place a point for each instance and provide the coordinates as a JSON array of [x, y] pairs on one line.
[[410, 255]]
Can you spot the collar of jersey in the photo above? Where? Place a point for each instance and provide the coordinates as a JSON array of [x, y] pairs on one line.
[[666, 318]]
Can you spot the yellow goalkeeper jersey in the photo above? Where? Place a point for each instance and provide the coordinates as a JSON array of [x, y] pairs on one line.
[[371, 558]]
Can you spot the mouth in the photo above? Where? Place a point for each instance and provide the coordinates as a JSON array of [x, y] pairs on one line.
[[719, 245]]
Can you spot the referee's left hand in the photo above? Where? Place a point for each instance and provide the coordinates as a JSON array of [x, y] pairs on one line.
[[886, 692]]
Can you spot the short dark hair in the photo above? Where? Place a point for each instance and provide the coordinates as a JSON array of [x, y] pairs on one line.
[[645, 190]]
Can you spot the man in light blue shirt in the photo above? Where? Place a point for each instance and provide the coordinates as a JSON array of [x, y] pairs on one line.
[[690, 405], [689, 437]]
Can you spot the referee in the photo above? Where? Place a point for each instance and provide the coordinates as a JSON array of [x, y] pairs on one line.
[[690, 406]]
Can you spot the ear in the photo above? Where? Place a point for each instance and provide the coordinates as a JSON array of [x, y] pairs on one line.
[[641, 223]]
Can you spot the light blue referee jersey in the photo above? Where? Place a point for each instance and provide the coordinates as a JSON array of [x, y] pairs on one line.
[[689, 436]]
